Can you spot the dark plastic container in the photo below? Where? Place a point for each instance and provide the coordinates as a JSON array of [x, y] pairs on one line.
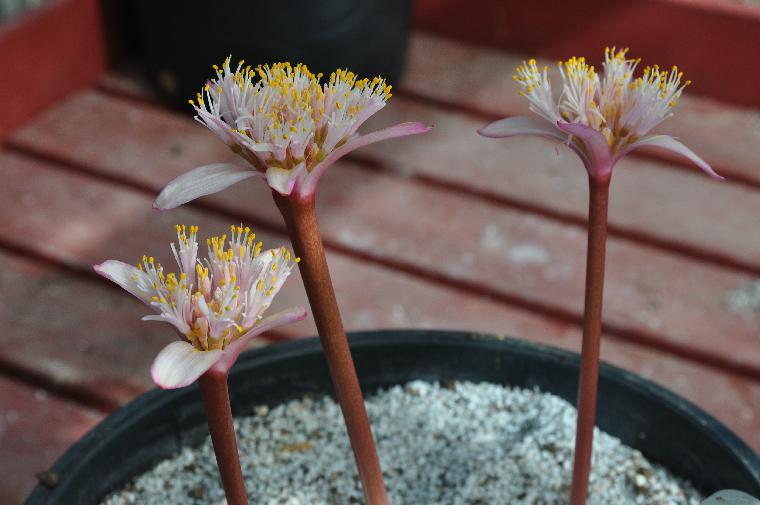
[[666, 428], [179, 41]]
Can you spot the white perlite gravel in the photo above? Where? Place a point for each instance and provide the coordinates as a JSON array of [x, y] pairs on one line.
[[451, 444]]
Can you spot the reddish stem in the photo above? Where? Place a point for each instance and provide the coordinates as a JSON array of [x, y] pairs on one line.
[[216, 400], [301, 220], [592, 330]]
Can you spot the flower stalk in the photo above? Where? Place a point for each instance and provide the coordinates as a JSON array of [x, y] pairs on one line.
[[216, 401], [301, 220], [592, 332]]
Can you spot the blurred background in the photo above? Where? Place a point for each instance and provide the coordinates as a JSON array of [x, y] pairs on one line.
[[446, 230]]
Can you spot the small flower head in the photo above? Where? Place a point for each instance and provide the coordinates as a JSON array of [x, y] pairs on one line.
[[215, 304], [286, 123], [281, 115], [600, 118]]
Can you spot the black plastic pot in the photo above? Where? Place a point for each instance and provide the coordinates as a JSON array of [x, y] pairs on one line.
[[179, 41], [666, 428]]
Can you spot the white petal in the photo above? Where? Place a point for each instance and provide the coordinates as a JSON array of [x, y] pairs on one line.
[[201, 181], [124, 275], [671, 144], [232, 351], [522, 125], [181, 326], [400, 130], [283, 180], [179, 364]]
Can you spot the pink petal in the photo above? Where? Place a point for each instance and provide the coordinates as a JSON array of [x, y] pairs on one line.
[[201, 181], [283, 180], [125, 276], [522, 125], [180, 324], [671, 144], [600, 160], [400, 130], [232, 351], [179, 364]]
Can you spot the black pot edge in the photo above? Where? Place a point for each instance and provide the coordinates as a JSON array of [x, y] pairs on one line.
[[367, 339]]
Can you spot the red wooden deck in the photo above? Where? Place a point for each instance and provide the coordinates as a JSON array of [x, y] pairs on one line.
[[447, 230]]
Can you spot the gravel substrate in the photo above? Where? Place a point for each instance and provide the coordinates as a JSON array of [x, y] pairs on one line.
[[451, 444]]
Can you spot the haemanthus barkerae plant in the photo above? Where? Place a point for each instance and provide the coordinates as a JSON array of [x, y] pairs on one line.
[[601, 120]]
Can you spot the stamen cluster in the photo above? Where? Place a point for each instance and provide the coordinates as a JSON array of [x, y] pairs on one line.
[[282, 115], [621, 107], [214, 301]]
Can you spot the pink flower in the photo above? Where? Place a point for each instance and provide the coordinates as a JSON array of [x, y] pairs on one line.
[[285, 124], [600, 119], [215, 305]]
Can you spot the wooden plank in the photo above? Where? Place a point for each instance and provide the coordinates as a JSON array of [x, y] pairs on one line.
[[35, 429], [50, 52], [724, 135], [682, 210], [654, 297], [669, 31], [75, 334], [105, 221]]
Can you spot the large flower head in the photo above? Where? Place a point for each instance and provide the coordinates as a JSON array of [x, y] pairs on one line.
[[286, 123], [600, 118], [216, 304]]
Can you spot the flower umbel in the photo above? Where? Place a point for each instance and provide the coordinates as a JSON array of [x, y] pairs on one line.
[[215, 304], [286, 123], [601, 119]]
